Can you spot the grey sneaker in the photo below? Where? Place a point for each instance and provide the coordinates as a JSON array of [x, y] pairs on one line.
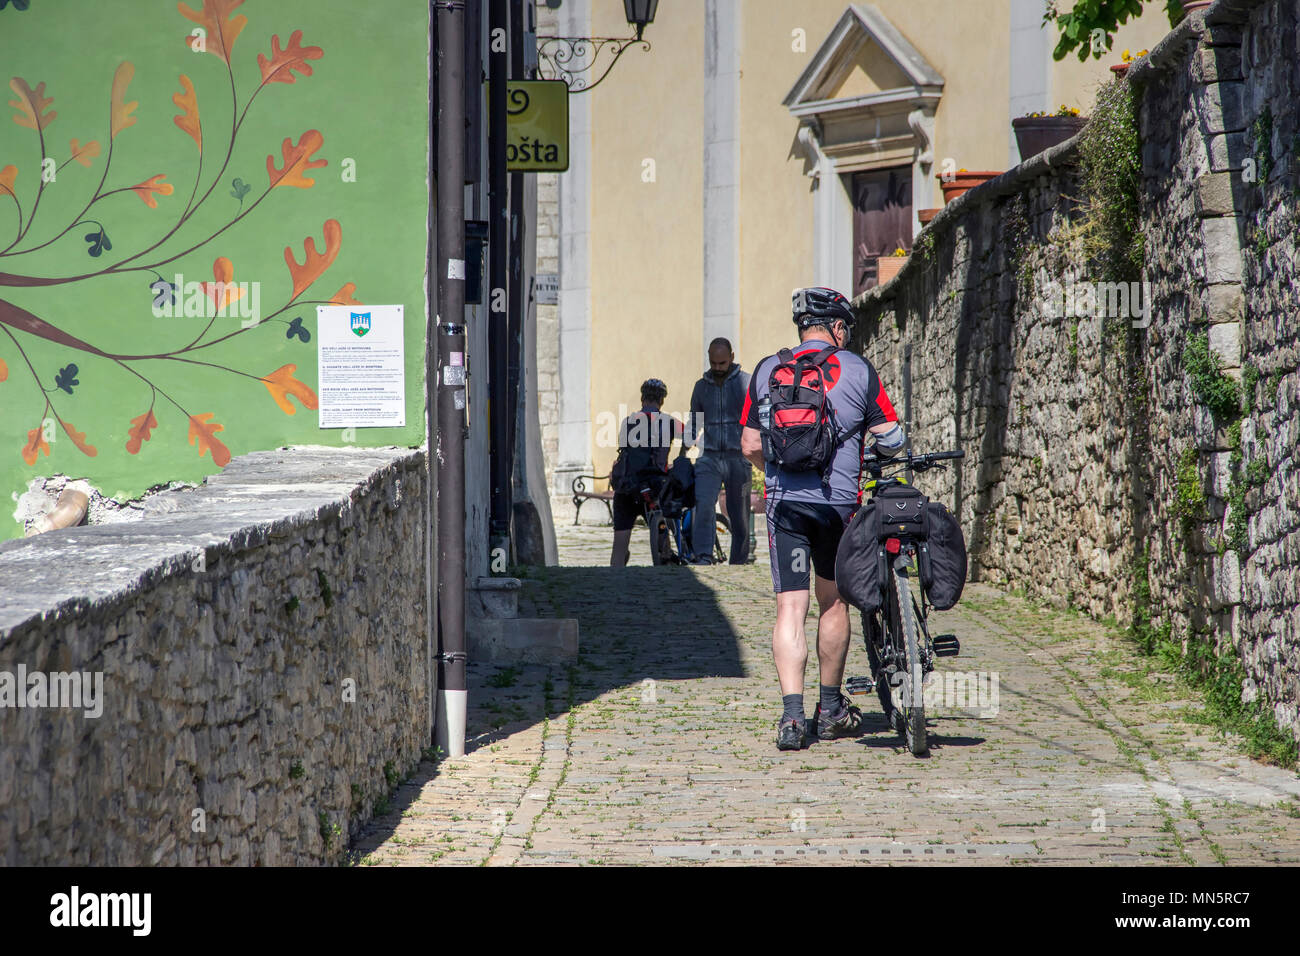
[[790, 735], [846, 723]]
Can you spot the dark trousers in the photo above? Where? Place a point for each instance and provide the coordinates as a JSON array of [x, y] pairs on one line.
[[713, 470]]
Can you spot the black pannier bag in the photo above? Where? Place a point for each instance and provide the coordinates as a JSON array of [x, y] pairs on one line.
[[902, 511], [861, 563], [678, 491], [942, 557]]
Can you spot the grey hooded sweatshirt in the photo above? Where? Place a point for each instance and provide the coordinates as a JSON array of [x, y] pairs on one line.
[[718, 406]]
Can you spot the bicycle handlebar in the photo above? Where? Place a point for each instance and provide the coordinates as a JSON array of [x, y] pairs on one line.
[[875, 464]]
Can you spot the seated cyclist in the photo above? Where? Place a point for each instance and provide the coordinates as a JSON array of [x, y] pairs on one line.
[[644, 441]]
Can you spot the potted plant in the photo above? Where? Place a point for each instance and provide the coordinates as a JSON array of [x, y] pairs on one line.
[[889, 266], [925, 215], [1039, 131], [1119, 69], [963, 180]]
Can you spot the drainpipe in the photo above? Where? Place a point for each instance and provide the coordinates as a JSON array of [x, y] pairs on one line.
[[450, 378], [502, 410], [67, 513]]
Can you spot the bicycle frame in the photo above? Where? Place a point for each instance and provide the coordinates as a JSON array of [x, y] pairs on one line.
[[896, 623]]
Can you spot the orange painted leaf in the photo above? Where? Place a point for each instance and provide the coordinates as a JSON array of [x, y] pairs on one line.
[[31, 105], [313, 262], [4, 370], [120, 115], [205, 433], [153, 184], [279, 68], [281, 384], [35, 444], [224, 290], [219, 27], [7, 177], [79, 439], [141, 431], [344, 295], [296, 161], [84, 154], [189, 102]]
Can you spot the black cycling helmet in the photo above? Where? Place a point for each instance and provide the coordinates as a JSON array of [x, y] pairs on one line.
[[653, 390], [820, 306]]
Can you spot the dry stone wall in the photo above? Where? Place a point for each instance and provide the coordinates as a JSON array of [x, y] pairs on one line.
[[1121, 450], [262, 647]]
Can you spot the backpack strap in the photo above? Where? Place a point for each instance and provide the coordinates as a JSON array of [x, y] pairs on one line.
[[820, 358]]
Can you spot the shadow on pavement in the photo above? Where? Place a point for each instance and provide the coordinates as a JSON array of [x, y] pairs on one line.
[[637, 624]]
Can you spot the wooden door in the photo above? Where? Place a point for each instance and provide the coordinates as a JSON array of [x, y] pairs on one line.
[[882, 219]]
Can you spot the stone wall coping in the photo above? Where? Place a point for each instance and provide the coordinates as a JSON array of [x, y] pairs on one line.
[[258, 496], [1169, 53]]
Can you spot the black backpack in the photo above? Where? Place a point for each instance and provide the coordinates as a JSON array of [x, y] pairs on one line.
[[636, 464], [799, 432]]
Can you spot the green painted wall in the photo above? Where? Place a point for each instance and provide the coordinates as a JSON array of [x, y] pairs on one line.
[[147, 392]]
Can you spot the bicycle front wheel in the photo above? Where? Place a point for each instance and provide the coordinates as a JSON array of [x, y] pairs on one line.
[[909, 698]]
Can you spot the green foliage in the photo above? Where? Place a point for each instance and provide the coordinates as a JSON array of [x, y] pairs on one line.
[[296, 772], [1275, 383], [1262, 131], [1210, 386], [328, 831], [1189, 495], [1218, 676], [291, 605], [1111, 150], [1078, 28], [325, 593], [1250, 377], [1140, 628], [504, 677], [391, 776]]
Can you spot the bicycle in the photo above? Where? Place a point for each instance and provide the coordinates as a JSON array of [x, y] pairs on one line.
[[670, 528], [900, 650]]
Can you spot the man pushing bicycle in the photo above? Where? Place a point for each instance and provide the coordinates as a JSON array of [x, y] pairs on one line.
[[807, 413]]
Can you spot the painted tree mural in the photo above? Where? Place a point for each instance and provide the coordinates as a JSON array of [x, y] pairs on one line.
[[194, 235]]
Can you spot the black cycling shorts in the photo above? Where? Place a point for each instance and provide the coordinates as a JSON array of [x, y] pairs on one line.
[[627, 508], [803, 535]]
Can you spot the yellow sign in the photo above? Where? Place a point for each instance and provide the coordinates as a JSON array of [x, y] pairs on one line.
[[537, 126]]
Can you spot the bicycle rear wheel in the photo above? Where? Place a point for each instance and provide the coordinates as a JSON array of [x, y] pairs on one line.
[[721, 526], [660, 537], [909, 698]]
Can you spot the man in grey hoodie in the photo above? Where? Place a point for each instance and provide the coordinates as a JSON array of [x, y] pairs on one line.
[[716, 404]]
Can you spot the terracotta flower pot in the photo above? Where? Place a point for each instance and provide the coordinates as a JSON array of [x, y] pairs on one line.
[[1119, 69], [889, 266], [1190, 5], [964, 180], [925, 215], [1037, 133]]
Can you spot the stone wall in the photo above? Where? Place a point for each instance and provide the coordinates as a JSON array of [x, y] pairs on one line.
[[263, 648], [1095, 450]]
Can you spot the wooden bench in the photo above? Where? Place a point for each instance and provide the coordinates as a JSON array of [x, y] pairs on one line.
[[581, 495]]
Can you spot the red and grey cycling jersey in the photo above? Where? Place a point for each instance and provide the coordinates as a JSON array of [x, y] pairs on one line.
[[858, 400]]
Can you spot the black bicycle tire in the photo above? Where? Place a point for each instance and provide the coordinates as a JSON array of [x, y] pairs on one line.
[[883, 693], [654, 519], [913, 711]]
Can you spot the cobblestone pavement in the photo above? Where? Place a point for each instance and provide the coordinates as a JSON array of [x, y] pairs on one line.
[[657, 746]]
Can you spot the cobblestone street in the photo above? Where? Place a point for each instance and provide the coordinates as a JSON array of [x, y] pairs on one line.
[[657, 746]]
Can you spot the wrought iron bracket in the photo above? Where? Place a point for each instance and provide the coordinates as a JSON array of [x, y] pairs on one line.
[[572, 59]]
